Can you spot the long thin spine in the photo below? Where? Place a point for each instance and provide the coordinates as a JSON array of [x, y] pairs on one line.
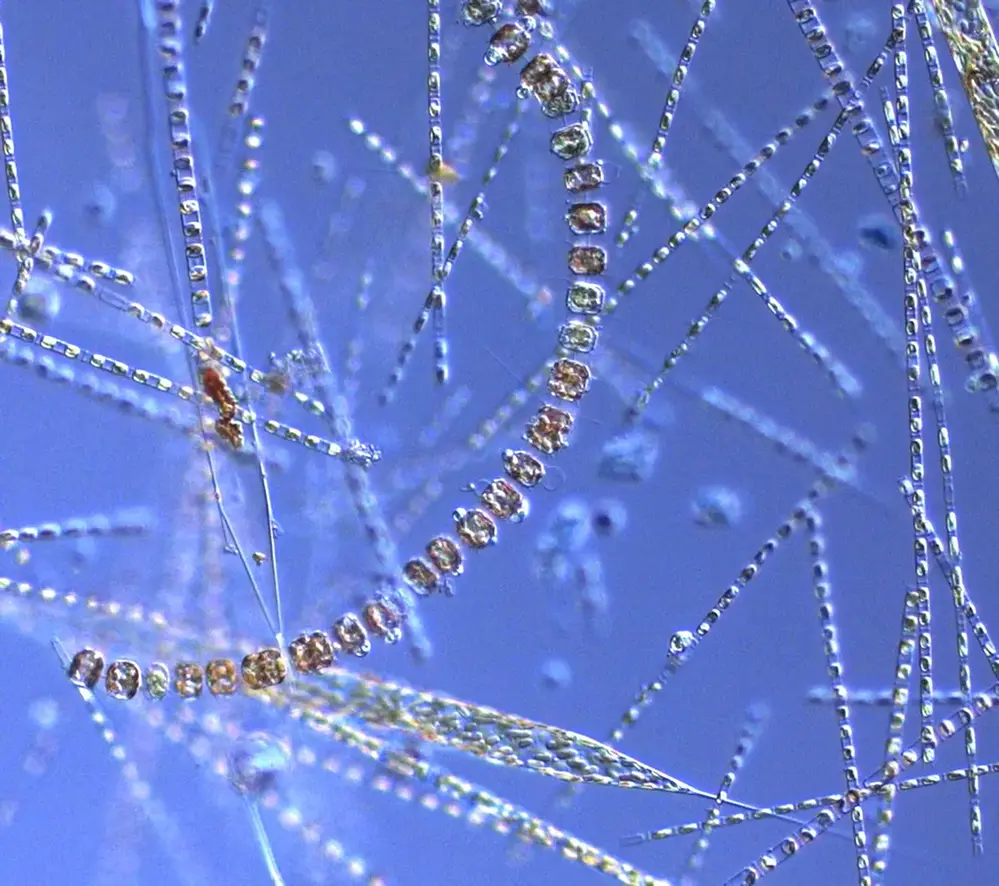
[[756, 718], [783, 810], [654, 161], [885, 776]]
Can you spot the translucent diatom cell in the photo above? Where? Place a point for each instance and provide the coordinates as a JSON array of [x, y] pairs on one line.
[[324, 167], [157, 681], [44, 712], [556, 674], [256, 761], [571, 525], [585, 298], [40, 302], [629, 457], [578, 337], [717, 506]]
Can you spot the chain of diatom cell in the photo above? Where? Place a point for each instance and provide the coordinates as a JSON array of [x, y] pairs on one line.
[[502, 499]]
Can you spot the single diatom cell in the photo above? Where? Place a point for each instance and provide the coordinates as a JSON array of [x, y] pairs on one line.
[[879, 231], [264, 668], [188, 679], [157, 681], [123, 679], [312, 653], [221, 676], [351, 636], [717, 506], [256, 761], [384, 619], [86, 668], [629, 457]]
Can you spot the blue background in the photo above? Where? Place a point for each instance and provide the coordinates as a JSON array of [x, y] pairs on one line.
[[67, 817]]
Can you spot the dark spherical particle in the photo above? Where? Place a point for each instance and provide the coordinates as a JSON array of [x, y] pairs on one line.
[[879, 232], [609, 517]]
